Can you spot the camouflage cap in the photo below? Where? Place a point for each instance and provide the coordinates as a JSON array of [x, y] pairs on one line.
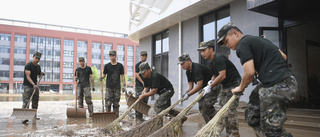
[[206, 44], [183, 57], [112, 52], [81, 59], [37, 54], [143, 67], [223, 32], [143, 53]]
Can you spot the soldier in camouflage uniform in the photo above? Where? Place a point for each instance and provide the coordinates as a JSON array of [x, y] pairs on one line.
[[159, 85], [226, 75], [84, 89], [139, 84], [31, 71], [200, 75], [266, 111], [114, 70]]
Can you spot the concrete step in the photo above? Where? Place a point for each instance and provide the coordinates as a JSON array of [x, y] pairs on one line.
[[301, 119]]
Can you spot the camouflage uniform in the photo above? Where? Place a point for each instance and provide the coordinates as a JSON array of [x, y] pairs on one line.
[[231, 119], [27, 95], [35, 71], [266, 111], [164, 101], [85, 92], [112, 98], [206, 103]]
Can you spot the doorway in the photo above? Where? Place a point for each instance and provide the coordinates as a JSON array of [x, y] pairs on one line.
[[303, 52], [313, 74]]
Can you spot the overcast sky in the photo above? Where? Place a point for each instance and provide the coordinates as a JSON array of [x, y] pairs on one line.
[[106, 15]]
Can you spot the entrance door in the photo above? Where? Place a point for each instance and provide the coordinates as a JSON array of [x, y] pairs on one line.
[[303, 48], [313, 71]]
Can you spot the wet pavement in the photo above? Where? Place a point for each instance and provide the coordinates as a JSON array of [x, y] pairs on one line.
[[54, 122]]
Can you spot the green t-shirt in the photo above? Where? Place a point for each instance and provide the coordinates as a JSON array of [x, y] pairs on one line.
[[268, 61], [221, 62], [157, 81], [113, 77], [84, 76], [35, 71], [199, 72]]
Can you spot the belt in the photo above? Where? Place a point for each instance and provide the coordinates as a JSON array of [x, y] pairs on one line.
[[164, 90]]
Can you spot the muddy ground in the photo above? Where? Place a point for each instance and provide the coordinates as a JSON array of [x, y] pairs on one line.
[[54, 122]]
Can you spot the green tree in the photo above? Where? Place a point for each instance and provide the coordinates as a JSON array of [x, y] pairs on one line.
[[96, 76]]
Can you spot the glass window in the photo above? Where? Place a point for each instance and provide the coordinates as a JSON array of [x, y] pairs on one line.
[[4, 61], [68, 43], [82, 44], [20, 38], [56, 77], [56, 64], [4, 49], [121, 58], [96, 45], [161, 49], [130, 49], [68, 75], [129, 58], [18, 74], [271, 34], [96, 56], [211, 24], [67, 87], [32, 51], [68, 64], [158, 44], [5, 37], [120, 47], [82, 54], [20, 50], [4, 73], [67, 53], [165, 41], [106, 56], [108, 47], [20, 62]]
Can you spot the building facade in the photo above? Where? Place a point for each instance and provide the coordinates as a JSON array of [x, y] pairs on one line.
[[60, 52], [168, 28]]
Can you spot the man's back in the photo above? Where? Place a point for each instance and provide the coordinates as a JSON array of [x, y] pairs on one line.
[[268, 61]]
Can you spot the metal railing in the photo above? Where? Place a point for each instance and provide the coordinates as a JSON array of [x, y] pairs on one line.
[[61, 28]]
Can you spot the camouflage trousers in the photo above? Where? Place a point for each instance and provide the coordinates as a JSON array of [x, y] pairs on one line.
[[230, 121], [86, 93], [138, 91], [112, 99], [164, 101], [206, 103], [27, 95], [266, 110]]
